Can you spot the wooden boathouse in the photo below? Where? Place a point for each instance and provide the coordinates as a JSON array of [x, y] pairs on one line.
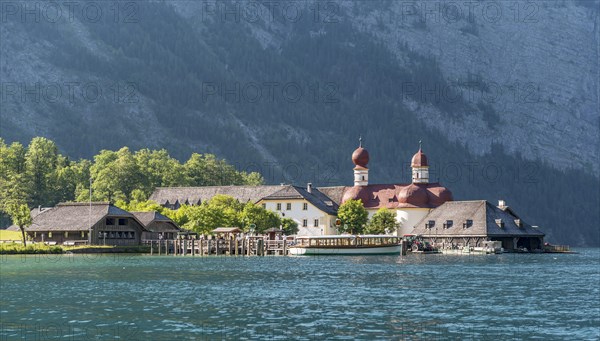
[[471, 223]]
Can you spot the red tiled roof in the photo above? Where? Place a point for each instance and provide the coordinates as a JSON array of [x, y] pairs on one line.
[[399, 195]]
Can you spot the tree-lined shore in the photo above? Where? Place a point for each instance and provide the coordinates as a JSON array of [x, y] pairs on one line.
[[39, 175]]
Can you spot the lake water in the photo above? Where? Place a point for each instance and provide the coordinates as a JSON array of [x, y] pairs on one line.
[[415, 297]]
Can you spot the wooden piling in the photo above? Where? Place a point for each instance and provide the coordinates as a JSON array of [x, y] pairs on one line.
[[260, 247]]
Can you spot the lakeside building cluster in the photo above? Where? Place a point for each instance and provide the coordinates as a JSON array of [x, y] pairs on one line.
[[421, 208]]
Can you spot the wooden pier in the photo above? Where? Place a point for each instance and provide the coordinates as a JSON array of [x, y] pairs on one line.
[[252, 246]]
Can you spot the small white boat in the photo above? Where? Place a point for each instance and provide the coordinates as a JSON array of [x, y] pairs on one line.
[[346, 245]]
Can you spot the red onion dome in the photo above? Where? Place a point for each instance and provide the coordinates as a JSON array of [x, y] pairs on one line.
[[419, 159], [360, 157]]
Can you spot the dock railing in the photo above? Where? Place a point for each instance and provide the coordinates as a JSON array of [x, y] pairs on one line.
[[233, 247]]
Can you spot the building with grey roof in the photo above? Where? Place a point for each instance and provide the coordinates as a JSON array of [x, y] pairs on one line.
[[470, 223], [71, 223], [175, 197], [158, 226]]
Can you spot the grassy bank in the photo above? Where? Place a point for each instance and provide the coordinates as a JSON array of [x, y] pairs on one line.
[[10, 235], [18, 248]]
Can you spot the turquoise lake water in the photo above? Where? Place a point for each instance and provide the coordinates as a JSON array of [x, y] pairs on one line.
[[415, 297]]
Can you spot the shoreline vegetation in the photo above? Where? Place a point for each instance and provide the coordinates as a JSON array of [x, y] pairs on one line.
[[37, 175], [17, 248]]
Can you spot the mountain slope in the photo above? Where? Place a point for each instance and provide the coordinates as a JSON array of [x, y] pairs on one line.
[[506, 109]]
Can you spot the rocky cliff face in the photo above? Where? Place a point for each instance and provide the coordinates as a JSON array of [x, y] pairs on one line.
[[526, 72], [531, 68], [285, 88]]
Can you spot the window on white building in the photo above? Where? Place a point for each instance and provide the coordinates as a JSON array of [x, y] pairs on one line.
[[264, 205], [288, 206], [278, 206], [304, 222], [316, 223], [305, 206]]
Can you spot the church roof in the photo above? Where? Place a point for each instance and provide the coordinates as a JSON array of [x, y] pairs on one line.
[[393, 196]]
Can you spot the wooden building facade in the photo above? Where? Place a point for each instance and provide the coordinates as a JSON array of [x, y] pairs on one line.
[[71, 223]]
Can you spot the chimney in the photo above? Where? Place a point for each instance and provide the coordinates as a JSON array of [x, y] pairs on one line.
[[40, 208], [501, 204], [309, 187]]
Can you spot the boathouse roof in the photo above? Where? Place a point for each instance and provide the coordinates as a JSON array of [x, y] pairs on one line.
[[473, 218], [75, 216]]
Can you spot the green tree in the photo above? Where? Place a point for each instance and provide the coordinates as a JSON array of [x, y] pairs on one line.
[[141, 206], [230, 207], [204, 218], [69, 176], [262, 218], [181, 216], [115, 175], [20, 215], [158, 169], [354, 217], [40, 167], [207, 170], [382, 222], [14, 184], [289, 226], [253, 179]]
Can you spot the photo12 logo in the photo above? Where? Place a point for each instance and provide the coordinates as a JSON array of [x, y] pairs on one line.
[[471, 91], [326, 12], [254, 92], [70, 92], [448, 12], [69, 11]]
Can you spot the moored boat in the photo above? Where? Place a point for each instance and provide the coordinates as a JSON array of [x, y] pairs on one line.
[[346, 245]]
